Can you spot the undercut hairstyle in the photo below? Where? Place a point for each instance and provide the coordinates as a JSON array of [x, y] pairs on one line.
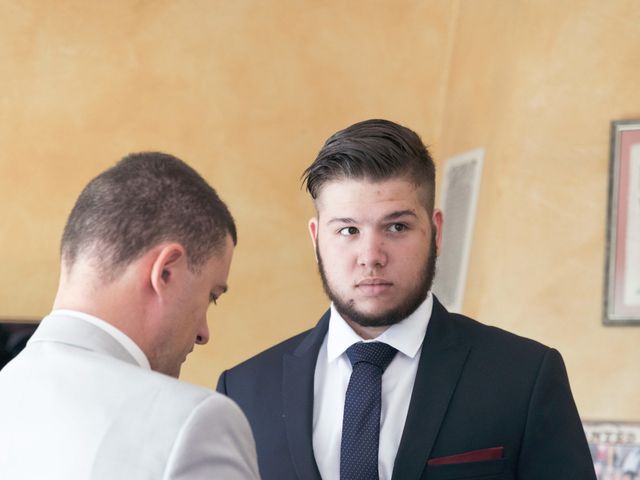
[[145, 199], [373, 150]]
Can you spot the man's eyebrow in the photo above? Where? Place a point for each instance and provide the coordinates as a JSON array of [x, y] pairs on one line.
[[391, 216], [398, 214], [341, 220]]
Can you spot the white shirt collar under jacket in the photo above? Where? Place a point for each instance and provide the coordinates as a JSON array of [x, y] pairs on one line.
[[405, 336]]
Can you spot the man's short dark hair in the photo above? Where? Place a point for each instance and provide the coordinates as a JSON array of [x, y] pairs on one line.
[[145, 199], [373, 150]]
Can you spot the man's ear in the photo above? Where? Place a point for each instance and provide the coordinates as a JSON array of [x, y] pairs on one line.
[[167, 262], [313, 231], [437, 220]]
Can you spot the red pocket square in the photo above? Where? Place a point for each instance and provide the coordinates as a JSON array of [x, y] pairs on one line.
[[494, 453]]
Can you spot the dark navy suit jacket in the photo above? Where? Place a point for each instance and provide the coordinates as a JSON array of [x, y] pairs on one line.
[[477, 388]]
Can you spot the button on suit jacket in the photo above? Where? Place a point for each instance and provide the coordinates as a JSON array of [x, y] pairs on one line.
[[76, 406], [478, 390]]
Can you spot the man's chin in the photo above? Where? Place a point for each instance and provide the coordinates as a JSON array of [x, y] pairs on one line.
[[368, 314]]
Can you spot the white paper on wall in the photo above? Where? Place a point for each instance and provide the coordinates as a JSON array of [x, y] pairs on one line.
[[458, 200]]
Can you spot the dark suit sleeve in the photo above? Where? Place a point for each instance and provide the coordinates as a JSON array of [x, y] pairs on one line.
[[222, 383], [554, 443]]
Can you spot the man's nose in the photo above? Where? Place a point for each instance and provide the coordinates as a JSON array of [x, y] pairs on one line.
[[203, 334], [372, 252]]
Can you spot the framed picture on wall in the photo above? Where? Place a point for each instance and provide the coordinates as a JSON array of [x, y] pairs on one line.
[[622, 285], [615, 449]]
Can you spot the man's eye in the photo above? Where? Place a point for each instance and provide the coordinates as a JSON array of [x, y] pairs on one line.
[[398, 227], [347, 231]]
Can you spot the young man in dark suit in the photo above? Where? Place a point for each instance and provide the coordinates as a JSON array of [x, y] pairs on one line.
[[389, 384]]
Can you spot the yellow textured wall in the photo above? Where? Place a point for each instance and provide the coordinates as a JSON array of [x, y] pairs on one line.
[[247, 91], [537, 84]]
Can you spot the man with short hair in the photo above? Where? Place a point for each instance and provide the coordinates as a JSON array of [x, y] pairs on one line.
[[146, 248], [389, 384]]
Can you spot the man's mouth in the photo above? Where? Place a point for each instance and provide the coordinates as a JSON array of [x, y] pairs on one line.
[[373, 286]]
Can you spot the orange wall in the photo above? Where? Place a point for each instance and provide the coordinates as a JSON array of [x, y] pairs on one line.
[[537, 83], [248, 91]]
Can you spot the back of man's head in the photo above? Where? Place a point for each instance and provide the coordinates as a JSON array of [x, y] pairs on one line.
[[373, 150], [145, 199]]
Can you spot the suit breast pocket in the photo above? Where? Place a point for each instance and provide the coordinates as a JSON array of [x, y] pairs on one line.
[[487, 470]]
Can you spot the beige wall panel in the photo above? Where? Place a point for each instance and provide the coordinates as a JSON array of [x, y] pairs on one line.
[[537, 83], [245, 91]]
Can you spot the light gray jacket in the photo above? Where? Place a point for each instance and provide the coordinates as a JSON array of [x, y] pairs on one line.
[[75, 405]]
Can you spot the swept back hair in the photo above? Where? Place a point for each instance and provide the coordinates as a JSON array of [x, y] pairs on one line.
[[373, 150]]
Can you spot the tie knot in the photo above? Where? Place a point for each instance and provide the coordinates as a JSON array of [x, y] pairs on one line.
[[376, 353]]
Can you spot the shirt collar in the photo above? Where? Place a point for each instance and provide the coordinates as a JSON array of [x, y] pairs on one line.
[[405, 336], [129, 345]]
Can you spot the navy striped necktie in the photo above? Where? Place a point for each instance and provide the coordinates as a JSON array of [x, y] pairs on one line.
[[361, 421]]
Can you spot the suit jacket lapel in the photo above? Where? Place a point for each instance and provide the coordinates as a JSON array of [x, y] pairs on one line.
[[297, 391], [441, 362]]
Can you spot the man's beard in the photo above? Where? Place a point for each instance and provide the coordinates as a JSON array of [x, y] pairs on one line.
[[409, 304]]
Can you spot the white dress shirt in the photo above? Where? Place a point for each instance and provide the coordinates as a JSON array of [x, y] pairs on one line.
[[129, 345], [333, 370]]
